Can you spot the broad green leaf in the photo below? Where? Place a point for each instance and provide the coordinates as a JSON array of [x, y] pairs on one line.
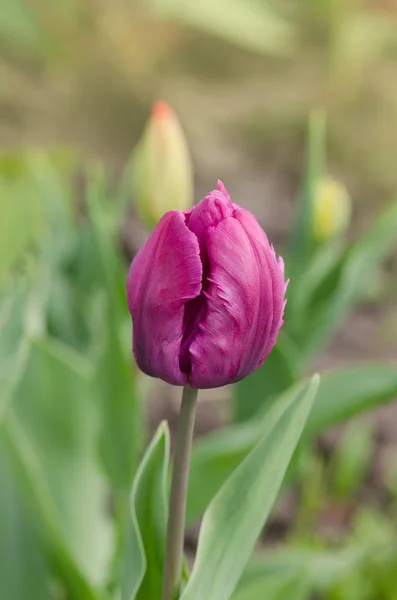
[[23, 569], [51, 431], [285, 586], [57, 193], [218, 454], [22, 315], [121, 431], [143, 568], [35, 211], [234, 519], [346, 392], [22, 220], [316, 283], [341, 394], [278, 373], [13, 303], [248, 24], [318, 568], [121, 413]]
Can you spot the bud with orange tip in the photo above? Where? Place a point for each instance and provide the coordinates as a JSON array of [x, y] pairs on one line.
[[162, 167]]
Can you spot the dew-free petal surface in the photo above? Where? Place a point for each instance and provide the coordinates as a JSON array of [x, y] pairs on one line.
[[164, 275]]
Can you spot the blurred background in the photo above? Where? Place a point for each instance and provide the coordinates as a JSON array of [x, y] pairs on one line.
[[275, 98]]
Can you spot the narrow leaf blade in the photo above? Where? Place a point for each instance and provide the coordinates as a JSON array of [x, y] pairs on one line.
[[341, 394], [145, 539], [235, 517]]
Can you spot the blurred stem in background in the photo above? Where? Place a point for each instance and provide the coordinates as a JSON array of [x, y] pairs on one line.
[[302, 241], [177, 508]]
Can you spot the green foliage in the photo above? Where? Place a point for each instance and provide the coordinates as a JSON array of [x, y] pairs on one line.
[[54, 454], [116, 390], [279, 372], [374, 575], [145, 540], [288, 586], [300, 570], [359, 264], [234, 519], [341, 394], [326, 281], [352, 459], [23, 568], [302, 244], [251, 25], [72, 429], [64, 363]]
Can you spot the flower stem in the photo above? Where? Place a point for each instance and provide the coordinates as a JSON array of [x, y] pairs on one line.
[[177, 509]]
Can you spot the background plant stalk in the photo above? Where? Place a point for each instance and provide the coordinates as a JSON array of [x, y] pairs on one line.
[[177, 508]]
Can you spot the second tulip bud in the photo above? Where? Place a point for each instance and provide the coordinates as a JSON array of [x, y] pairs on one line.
[[162, 168]]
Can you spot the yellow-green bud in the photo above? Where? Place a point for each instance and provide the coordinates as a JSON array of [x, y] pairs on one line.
[[162, 167], [331, 209]]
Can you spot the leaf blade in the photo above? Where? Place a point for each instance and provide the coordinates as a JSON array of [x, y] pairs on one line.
[[54, 453], [147, 528], [357, 389], [236, 516]]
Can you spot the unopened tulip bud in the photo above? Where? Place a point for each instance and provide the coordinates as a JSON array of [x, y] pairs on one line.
[[162, 167], [206, 294], [331, 209]]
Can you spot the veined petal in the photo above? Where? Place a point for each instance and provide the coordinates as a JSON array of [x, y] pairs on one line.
[[215, 207], [275, 269], [165, 274], [239, 312]]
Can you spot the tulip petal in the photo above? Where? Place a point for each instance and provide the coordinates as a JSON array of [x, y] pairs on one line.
[[236, 333], [165, 274], [215, 207], [276, 272]]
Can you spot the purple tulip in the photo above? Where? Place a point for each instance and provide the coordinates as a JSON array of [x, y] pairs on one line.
[[206, 295]]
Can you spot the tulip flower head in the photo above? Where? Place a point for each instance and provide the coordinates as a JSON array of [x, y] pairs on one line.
[[206, 294]]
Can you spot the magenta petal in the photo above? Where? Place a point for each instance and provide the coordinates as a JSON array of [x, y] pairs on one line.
[[215, 207], [275, 270], [165, 274], [236, 333]]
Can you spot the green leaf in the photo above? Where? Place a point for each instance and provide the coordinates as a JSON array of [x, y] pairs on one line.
[[218, 454], [12, 308], [23, 569], [250, 25], [51, 430], [233, 521], [121, 412], [318, 568], [145, 542], [352, 459], [350, 279], [287, 586], [341, 394], [58, 197], [20, 28], [346, 392], [316, 283], [279, 372], [22, 221]]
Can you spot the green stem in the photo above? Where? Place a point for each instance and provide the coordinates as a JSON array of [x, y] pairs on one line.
[[177, 509]]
